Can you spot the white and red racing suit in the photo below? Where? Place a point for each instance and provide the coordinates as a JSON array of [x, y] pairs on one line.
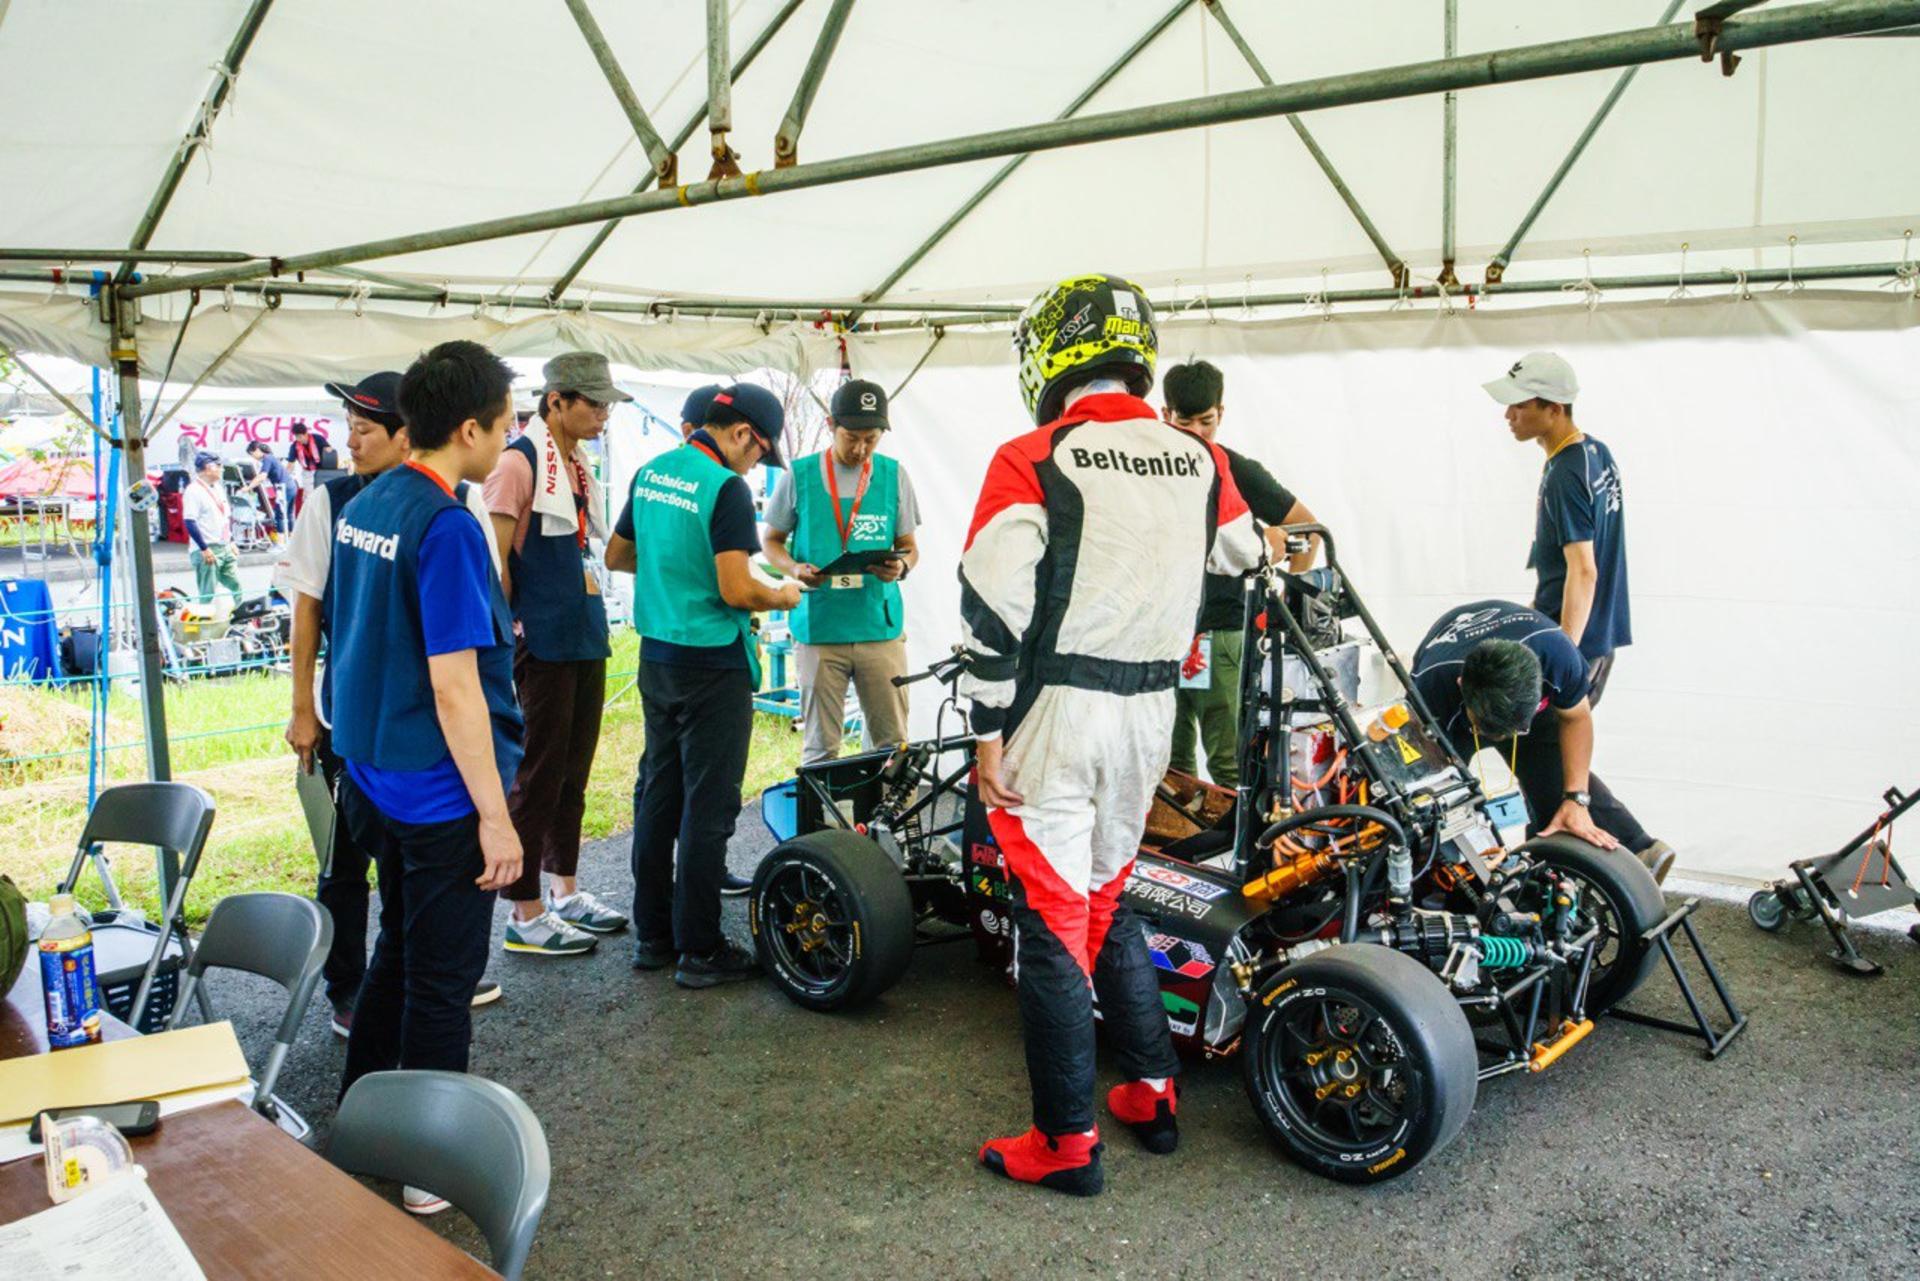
[[1079, 587]]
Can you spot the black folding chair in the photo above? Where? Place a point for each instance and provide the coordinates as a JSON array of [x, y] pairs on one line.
[[174, 817]]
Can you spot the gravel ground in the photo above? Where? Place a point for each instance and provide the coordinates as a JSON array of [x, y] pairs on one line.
[[729, 1133]]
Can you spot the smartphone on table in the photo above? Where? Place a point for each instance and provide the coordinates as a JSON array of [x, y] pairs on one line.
[[133, 1119]]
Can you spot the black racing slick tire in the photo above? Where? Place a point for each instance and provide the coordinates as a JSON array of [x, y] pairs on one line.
[[1359, 1062], [1622, 896], [832, 919]]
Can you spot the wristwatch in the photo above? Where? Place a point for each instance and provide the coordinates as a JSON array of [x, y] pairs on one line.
[[1581, 799]]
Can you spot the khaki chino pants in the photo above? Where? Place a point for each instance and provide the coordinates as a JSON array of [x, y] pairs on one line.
[[824, 672]]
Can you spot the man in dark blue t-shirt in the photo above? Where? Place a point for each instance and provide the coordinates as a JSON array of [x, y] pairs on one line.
[[1493, 671], [1579, 554], [420, 687]]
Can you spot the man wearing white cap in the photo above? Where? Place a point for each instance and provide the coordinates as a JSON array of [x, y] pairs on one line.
[[1579, 555]]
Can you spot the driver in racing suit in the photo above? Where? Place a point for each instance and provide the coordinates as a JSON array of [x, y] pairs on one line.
[[1079, 585]]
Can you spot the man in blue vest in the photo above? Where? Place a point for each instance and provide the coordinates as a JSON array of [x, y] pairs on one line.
[[546, 505], [840, 505], [691, 533], [424, 715]]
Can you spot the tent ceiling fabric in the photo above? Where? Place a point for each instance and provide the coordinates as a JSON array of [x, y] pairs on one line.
[[352, 120]]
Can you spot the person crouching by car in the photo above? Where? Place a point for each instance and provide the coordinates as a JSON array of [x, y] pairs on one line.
[[843, 500], [1499, 674], [693, 603], [425, 716], [545, 505]]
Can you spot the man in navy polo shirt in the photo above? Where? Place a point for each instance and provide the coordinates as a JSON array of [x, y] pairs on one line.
[[424, 714], [1579, 554], [690, 534], [1496, 673]]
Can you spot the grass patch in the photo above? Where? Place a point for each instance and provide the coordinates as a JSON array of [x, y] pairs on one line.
[[227, 738]]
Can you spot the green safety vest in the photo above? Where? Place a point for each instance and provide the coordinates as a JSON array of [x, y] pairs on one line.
[[843, 615], [676, 590]]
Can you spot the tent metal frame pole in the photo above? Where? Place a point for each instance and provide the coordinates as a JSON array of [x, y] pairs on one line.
[[125, 355], [1497, 268], [665, 162], [127, 255], [786, 143], [1396, 265], [197, 134], [1703, 278], [726, 161], [1007, 170], [680, 140], [1764, 28], [1449, 152]]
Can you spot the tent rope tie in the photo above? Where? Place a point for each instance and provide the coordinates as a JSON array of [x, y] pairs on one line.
[[200, 136], [1907, 275], [1741, 292], [1791, 285], [1682, 291], [1585, 285], [356, 294], [226, 299], [1319, 301], [1445, 296]]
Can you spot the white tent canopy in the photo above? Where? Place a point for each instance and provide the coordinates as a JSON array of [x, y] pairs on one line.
[[352, 121]]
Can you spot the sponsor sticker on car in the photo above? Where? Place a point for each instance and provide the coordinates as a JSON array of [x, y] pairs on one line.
[[1179, 880]]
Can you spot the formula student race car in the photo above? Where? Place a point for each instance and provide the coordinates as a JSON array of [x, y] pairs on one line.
[[1348, 921]]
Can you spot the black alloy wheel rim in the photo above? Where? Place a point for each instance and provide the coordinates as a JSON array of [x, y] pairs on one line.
[[1337, 1071], [809, 928]]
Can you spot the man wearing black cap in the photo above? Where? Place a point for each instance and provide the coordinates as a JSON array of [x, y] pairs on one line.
[[694, 599], [377, 442], [546, 504], [838, 509]]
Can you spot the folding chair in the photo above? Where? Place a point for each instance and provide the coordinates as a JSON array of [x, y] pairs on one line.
[[172, 816], [457, 1136], [282, 937]]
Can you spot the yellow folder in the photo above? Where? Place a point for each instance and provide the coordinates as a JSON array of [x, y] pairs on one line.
[[141, 1067]]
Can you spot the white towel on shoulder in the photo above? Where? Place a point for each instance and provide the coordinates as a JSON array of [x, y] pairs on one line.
[[553, 490]]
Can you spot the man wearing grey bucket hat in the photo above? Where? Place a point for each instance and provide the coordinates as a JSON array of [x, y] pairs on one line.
[[547, 507]]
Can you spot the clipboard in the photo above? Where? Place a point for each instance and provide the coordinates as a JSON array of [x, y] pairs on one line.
[[861, 561], [316, 800]]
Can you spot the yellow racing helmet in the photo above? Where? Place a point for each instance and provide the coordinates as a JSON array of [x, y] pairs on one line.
[[1084, 327]]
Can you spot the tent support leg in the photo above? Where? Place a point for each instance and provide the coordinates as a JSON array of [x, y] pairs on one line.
[[726, 161], [786, 143], [140, 500], [1449, 153]]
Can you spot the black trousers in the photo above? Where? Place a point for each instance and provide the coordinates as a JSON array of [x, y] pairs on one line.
[[1536, 764], [686, 797], [561, 702], [415, 1006], [342, 889]]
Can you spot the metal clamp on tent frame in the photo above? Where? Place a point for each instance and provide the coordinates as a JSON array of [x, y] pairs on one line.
[[1702, 1025]]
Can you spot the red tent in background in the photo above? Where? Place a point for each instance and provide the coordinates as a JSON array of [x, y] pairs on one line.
[[53, 478]]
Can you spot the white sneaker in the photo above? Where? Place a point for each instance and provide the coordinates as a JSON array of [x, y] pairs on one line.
[[422, 1202], [585, 912], [547, 935]]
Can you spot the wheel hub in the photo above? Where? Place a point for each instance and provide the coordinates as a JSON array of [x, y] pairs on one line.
[[808, 925]]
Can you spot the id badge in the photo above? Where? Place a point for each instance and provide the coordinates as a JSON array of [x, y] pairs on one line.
[[847, 582], [1196, 670]]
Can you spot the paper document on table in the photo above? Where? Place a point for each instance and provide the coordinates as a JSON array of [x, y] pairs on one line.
[[118, 1230], [141, 1067]]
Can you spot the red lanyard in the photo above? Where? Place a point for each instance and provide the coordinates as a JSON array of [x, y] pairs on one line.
[[708, 452], [845, 526], [219, 500], [579, 494], [433, 476]]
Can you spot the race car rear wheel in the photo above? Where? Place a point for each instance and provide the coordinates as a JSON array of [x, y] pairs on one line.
[[1359, 1063], [1617, 893], [832, 919]]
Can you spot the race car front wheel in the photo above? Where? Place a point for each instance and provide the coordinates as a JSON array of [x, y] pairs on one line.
[[1620, 896], [1359, 1062], [832, 919]]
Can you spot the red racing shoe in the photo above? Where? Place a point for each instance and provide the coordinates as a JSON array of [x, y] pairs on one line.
[[1068, 1163], [1148, 1113]]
